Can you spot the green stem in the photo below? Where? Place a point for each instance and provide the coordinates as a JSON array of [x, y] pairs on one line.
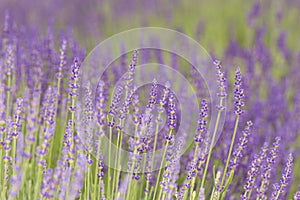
[[164, 196], [14, 146], [96, 182], [1, 163], [5, 183], [155, 141], [55, 115], [211, 147], [194, 178], [116, 171], [143, 176], [147, 194], [132, 167], [118, 165], [109, 167], [8, 96], [230, 151], [88, 183], [38, 184], [130, 178], [161, 166]]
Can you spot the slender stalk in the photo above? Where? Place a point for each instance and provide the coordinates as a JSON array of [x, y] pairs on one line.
[[55, 114], [132, 168], [161, 166], [5, 181], [14, 147], [147, 193], [96, 186], [155, 140], [109, 167], [211, 147], [1, 162], [118, 165], [8, 96], [154, 149], [88, 183], [116, 171], [143, 176], [163, 196], [38, 183], [130, 178], [230, 151], [194, 178]]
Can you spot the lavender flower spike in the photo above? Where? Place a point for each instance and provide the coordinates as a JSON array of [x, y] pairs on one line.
[[279, 188], [238, 93], [221, 80]]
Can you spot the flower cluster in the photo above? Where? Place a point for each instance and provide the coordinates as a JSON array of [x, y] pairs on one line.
[[53, 146]]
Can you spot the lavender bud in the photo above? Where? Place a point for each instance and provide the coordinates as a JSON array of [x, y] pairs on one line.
[[172, 112], [73, 83], [279, 188], [62, 59], [238, 93], [221, 79], [201, 127]]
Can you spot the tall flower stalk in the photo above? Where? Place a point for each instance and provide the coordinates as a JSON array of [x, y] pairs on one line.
[[238, 110], [221, 94]]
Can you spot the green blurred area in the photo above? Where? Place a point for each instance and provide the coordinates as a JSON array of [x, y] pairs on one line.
[[221, 21]]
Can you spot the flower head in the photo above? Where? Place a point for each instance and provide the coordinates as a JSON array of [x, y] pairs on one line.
[[238, 93]]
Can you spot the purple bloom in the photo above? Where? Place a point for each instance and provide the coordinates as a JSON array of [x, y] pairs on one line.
[[253, 172], [73, 84], [221, 79], [282, 45], [131, 71], [297, 195], [153, 94], [77, 181], [255, 11], [62, 59], [266, 175], [279, 188], [18, 118], [243, 141], [238, 93], [47, 185], [172, 118], [201, 127], [100, 104]]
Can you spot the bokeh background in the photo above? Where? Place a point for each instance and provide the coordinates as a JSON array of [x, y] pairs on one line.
[[213, 23]]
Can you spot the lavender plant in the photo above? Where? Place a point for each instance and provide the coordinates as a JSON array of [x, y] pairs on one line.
[[44, 154]]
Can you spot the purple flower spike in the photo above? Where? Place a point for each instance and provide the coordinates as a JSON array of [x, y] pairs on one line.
[[266, 175], [201, 128], [243, 141], [62, 59], [279, 188], [221, 80], [153, 94], [73, 84], [297, 195], [172, 112], [238, 93]]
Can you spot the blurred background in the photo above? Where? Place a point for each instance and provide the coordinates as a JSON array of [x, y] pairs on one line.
[[213, 23]]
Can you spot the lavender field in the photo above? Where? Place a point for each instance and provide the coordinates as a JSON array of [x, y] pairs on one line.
[[147, 100]]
